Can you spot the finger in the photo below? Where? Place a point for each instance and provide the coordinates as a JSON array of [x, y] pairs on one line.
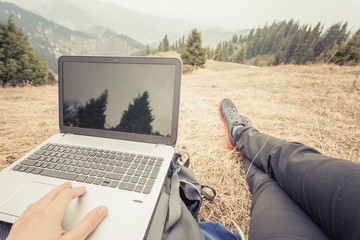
[[49, 197], [62, 201], [87, 224]]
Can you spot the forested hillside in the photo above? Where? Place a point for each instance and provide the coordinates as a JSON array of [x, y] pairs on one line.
[[290, 42]]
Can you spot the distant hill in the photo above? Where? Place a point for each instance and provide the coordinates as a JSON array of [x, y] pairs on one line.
[[211, 37], [51, 40], [83, 14], [145, 28]]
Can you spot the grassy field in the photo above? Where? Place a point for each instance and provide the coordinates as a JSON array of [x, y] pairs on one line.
[[318, 105]]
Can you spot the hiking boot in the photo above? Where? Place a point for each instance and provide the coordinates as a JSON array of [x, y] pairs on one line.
[[232, 120]]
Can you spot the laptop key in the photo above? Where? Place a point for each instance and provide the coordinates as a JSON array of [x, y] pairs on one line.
[[114, 176], [23, 168], [120, 170], [37, 171], [28, 162], [16, 168], [149, 186], [98, 181], [58, 174], [90, 179], [114, 184], [139, 188], [127, 186], [81, 178], [94, 172], [134, 179], [142, 181], [154, 172], [29, 169], [34, 157], [126, 178], [106, 182]]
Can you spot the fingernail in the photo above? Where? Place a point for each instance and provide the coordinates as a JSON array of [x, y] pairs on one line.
[[103, 211]]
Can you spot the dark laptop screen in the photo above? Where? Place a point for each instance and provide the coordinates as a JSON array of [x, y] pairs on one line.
[[119, 96]]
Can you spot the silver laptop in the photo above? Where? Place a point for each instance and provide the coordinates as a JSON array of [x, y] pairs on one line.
[[118, 121]]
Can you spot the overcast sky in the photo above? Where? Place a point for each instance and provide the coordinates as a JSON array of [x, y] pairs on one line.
[[240, 14]]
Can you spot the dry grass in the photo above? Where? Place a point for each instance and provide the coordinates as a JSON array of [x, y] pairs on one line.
[[318, 105]]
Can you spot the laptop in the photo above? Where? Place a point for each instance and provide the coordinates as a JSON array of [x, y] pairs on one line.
[[118, 120]]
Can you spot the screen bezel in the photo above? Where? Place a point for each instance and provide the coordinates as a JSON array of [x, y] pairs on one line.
[[124, 135]]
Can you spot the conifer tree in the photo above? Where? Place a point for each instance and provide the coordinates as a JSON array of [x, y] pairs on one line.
[[92, 115], [235, 38], [240, 56], [346, 53], [138, 117], [193, 54], [18, 61], [160, 47], [165, 44], [219, 53]]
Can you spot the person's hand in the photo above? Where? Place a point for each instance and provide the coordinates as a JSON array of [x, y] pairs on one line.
[[42, 220]]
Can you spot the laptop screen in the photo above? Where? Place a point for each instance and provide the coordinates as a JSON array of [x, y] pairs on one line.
[[122, 98]]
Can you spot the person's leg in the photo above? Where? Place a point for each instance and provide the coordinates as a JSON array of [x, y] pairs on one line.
[[273, 214], [325, 188]]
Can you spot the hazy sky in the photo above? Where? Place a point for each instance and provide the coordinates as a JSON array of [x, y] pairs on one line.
[[250, 13]]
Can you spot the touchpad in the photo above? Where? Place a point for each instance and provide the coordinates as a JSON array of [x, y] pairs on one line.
[[27, 195]]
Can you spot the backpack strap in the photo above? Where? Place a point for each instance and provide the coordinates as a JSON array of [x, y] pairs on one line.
[[186, 163], [207, 195], [174, 200], [179, 157]]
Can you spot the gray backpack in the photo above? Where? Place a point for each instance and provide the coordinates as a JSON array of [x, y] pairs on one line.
[[176, 215]]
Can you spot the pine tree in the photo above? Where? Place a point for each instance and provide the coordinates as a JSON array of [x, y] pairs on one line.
[[346, 53], [336, 33], [240, 56], [165, 44], [18, 61], [219, 53], [235, 38], [193, 54], [138, 117], [160, 47], [92, 115]]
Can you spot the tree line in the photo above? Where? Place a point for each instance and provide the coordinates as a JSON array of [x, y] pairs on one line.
[[285, 42], [18, 62], [288, 42]]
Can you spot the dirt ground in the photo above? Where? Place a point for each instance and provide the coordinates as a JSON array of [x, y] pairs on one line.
[[318, 105]]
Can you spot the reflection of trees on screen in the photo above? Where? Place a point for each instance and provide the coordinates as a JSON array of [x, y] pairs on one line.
[[137, 118], [68, 116], [92, 115]]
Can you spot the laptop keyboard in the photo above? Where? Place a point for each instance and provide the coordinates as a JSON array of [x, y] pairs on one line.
[[106, 168]]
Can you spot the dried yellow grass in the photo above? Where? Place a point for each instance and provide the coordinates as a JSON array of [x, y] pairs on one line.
[[318, 105]]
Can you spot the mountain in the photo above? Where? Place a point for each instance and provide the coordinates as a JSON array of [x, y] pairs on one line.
[[51, 40], [83, 14]]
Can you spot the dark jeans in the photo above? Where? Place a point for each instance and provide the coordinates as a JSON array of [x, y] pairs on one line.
[[298, 193]]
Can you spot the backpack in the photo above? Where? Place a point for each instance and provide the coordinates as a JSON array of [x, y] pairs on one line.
[[176, 214]]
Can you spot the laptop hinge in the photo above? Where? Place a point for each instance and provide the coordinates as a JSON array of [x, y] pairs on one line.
[[160, 145], [64, 134]]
